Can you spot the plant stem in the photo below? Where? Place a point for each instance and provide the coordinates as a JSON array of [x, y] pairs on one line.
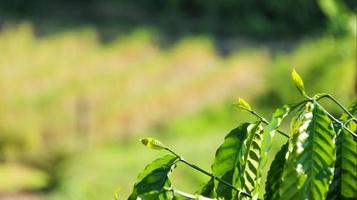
[[187, 195], [266, 122], [209, 174], [183, 194], [349, 120], [336, 120], [215, 177], [338, 103]]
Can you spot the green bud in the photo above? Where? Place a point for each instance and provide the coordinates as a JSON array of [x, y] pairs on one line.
[[298, 82], [244, 105], [152, 143]]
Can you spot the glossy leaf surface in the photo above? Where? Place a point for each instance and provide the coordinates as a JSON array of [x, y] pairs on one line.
[[274, 181], [237, 160], [278, 117], [344, 184], [310, 158], [152, 181], [208, 189]]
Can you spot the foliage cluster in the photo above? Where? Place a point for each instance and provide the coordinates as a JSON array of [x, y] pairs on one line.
[[317, 161]]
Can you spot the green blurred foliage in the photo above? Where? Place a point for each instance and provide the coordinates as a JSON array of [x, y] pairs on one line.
[[326, 65], [262, 19]]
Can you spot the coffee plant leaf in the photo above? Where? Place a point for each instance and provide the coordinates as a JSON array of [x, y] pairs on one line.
[[237, 160], [344, 184], [310, 158], [208, 189], [153, 180], [274, 181], [247, 176], [226, 159], [278, 117]]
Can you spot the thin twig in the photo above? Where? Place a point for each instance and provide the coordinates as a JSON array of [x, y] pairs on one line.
[[338, 103], [216, 178], [349, 120], [209, 174], [267, 123], [187, 195], [183, 194], [336, 120]]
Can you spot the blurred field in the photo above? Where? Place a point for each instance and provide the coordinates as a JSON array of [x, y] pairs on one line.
[[73, 108]]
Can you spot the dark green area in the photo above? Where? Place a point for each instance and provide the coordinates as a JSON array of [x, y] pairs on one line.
[[174, 18]]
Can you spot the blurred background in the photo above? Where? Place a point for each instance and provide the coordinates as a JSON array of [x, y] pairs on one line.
[[82, 81]]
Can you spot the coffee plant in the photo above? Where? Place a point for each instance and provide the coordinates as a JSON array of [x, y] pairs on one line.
[[317, 161]]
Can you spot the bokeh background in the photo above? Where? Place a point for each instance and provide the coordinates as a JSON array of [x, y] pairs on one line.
[[82, 81]]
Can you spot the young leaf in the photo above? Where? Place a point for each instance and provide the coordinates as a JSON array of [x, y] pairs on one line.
[[311, 156], [247, 177], [344, 184], [244, 105], [298, 82], [151, 182], [278, 117], [152, 143], [274, 181], [237, 160]]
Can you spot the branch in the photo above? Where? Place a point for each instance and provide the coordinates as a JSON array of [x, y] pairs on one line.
[[181, 159], [336, 120], [267, 123], [336, 102], [187, 195]]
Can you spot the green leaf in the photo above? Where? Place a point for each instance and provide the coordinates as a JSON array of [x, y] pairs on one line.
[[208, 189], [153, 179], [274, 175], [226, 159], [153, 143], [244, 105], [298, 82], [248, 177], [310, 158], [278, 117], [237, 160], [344, 184]]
